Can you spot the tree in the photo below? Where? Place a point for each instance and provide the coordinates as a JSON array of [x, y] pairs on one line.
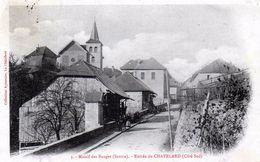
[[76, 112], [59, 105], [40, 130], [13, 62], [15, 97], [23, 87]]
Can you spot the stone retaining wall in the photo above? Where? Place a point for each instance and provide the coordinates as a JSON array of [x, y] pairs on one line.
[[70, 142]]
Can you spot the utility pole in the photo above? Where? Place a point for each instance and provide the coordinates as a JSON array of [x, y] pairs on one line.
[[169, 112]]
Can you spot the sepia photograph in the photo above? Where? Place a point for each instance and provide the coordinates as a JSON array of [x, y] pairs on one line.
[[132, 82]]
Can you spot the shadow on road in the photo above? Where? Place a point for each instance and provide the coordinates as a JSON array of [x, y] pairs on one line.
[[160, 119], [140, 129]]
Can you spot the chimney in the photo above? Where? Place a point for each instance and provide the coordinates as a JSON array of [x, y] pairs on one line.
[[37, 48], [113, 69], [140, 61], [113, 73]]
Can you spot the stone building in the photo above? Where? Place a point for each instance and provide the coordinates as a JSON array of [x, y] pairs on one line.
[[152, 73], [141, 94], [112, 72], [95, 47], [96, 87], [210, 73], [100, 95], [41, 58], [208, 77], [73, 52], [90, 52]]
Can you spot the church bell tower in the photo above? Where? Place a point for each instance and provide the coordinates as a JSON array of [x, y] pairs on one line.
[[94, 46]]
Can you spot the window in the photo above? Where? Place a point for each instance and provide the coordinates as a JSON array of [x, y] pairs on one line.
[[142, 75], [95, 49], [92, 59], [90, 49], [153, 75]]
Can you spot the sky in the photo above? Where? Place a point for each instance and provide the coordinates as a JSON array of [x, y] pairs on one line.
[[182, 37]]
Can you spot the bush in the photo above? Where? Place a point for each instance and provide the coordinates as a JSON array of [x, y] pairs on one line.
[[223, 125]]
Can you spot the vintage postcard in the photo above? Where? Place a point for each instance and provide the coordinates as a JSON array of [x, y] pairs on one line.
[[130, 81]]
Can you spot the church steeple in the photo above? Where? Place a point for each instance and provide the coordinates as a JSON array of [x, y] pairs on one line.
[[94, 33], [94, 47], [94, 38]]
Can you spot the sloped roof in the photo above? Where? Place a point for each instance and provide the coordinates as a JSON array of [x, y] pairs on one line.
[[139, 64], [78, 69], [84, 69], [132, 84], [84, 46], [217, 66], [94, 38], [93, 41], [71, 43], [93, 97], [42, 51], [109, 82], [110, 72], [173, 83]]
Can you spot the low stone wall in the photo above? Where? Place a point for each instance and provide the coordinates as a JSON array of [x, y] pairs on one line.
[[70, 142], [110, 125], [144, 112]]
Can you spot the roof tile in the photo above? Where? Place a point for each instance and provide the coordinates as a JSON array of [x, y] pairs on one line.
[[84, 69], [139, 64], [42, 51], [130, 83]]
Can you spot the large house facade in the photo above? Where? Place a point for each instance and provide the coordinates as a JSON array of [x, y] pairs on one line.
[[152, 73]]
